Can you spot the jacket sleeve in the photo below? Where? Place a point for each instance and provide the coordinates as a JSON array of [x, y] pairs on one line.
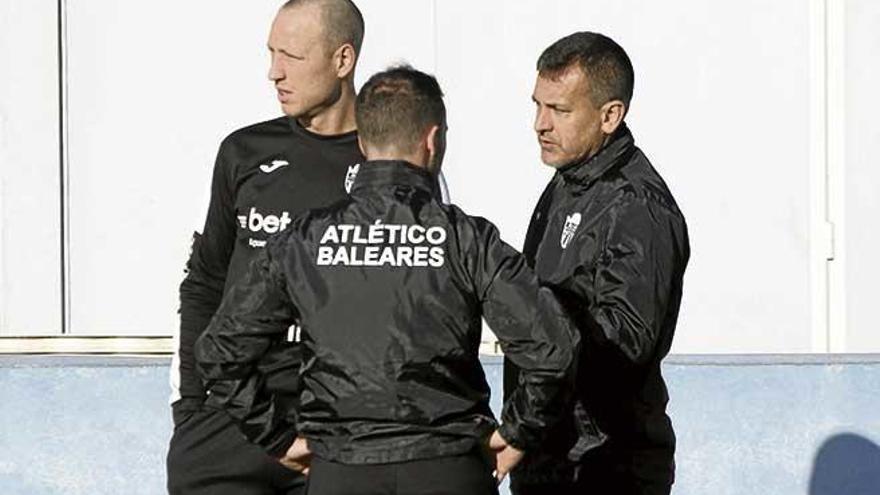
[[253, 318], [634, 279], [202, 288], [534, 333]]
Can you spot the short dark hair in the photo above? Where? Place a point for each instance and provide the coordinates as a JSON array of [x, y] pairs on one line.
[[605, 63], [343, 21], [395, 107]]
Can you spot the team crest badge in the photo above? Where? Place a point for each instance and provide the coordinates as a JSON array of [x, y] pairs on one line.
[[350, 176], [571, 224]]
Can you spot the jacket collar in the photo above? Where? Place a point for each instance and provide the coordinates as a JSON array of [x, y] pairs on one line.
[[377, 173], [618, 150]]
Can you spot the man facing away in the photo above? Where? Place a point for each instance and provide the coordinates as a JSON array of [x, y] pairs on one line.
[[608, 235], [265, 174], [389, 287]]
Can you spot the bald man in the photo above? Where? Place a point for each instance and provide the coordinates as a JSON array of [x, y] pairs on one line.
[[264, 175]]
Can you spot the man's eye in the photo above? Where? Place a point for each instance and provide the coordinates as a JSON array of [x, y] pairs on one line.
[[290, 56]]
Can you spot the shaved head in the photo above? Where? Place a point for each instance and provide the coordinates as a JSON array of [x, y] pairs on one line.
[[341, 20]]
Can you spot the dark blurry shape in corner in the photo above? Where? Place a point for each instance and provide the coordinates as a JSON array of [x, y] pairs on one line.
[[846, 464]]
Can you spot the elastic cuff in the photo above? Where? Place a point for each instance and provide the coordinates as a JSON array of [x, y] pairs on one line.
[[512, 437], [278, 447]]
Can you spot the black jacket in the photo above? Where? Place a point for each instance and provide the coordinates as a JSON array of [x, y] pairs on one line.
[[388, 288], [265, 174], [609, 237]]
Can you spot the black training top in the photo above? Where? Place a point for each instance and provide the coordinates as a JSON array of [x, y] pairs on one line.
[[264, 175]]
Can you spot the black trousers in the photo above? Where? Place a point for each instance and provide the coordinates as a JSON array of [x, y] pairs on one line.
[[601, 485], [467, 474], [637, 473], [208, 455]]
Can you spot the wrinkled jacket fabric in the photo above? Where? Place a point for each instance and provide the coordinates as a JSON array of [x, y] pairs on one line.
[[609, 237], [387, 289]]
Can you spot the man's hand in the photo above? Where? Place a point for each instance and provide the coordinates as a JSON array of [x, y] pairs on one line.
[[506, 457], [298, 457]]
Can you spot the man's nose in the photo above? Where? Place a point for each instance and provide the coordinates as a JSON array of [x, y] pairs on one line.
[[275, 72], [542, 121]]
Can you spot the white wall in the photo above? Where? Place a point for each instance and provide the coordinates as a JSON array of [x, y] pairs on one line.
[[153, 88], [725, 106], [30, 212], [862, 193]]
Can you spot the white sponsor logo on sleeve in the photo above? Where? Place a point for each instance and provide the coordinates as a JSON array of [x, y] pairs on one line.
[[257, 222]]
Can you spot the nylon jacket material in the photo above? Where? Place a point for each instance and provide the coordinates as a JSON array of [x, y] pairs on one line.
[[388, 288], [609, 237], [264, 175]]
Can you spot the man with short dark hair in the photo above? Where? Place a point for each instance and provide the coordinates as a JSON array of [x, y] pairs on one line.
[[389, 287], [265, 174], [609, 237]]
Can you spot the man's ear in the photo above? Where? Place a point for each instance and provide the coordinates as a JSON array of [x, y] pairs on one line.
[[433, 144], [361, 146], [344, 58], [612, 116]]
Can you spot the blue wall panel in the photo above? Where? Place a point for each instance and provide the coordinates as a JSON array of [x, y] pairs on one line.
[[745, 426], [80, 427]]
